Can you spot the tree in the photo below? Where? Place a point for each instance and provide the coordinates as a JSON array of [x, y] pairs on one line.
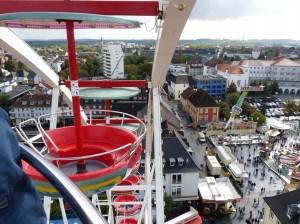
[[131, 71], [291, 107], [247, 109], [232, 98], [1, 73], [261, 56], [274, 87], [254, 83], [21, 66], [5, 101], [168, 204], [258, 117], [231, 88], [10, 65], [266, 88]]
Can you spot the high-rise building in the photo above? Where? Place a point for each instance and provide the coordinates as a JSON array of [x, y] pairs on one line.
[[113, 61]]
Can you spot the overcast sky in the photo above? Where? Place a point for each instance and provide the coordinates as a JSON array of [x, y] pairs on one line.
[[230, 19]]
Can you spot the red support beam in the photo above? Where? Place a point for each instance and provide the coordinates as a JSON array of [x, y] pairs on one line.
[[74, 77], [109, 83], [105, 7]]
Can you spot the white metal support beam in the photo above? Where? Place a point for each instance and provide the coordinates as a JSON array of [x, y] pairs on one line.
[[175, 18], [158, 157], [13, 44]]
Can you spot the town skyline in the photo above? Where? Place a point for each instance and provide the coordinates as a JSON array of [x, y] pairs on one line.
[[216, 19]]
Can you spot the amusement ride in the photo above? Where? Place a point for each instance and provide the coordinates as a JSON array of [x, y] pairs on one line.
[[96, 155]]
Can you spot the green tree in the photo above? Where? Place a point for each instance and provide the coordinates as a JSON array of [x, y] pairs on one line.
[[291, 107], [168, 204], [131, 71], [261, 56], [232, 98], [258, 117], [5, 101], [21, 66], [247, 109], [10, 65], [1, 73], [266, 88], [254, 83], [231, 88], [274, 87]]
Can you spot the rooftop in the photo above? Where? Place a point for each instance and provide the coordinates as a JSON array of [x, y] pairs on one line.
[[278, 204]]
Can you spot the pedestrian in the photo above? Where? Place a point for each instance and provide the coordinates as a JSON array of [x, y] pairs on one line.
[[243, 208], [249, 175], [271, 179], [258, 201], [254, 201], [261, 190], [250, 214], [245, 165], [254, 184]]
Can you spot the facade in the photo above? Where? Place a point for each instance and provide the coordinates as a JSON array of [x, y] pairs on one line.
[[233, 74], [214, 85], [259, 70], [113, 61], [281, 69], [278, 207], [185, 95], [202, 107], [178, 170], [33, 106], [5, 87], [178, 83], [196, 67]]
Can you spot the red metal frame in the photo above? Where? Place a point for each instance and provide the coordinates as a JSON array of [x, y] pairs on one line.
[[109, 83], [114, 121], [74, 77], [105, 7]]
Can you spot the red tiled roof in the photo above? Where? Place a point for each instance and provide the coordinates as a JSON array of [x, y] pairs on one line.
[[201, 98], [230, 69], [187, 92]]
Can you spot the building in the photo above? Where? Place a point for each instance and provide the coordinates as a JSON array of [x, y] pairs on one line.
[[113, 61], [5, 87], [202, 107], [259, 70], [33, 78], [214, 85], [282, 208], [281, 69], [185, 95], [177, 84], [32, 106], [196, 67], [233, 74], [217, 195], [178, 169]]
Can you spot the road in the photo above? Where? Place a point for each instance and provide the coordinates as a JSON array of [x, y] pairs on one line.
[[248, 195]]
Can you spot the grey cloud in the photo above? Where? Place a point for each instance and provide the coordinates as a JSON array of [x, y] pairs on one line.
[[215, 10]]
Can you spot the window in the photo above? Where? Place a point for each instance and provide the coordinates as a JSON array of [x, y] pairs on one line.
[[176, 190], [271, 214], [172, 161], [176, 179], [180, 161], [206, 110]]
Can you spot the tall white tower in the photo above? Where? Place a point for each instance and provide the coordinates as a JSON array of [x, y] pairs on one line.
[[113, 61]]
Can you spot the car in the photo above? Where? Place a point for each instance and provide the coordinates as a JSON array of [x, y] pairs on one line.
[[268, 114], [273, 114]]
